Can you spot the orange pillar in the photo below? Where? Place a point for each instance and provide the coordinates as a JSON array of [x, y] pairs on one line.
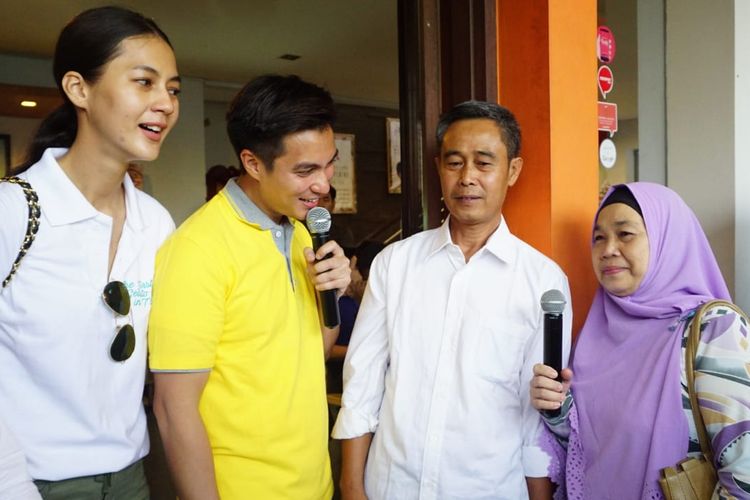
[[547, 77]]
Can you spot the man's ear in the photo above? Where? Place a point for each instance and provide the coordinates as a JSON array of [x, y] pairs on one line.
[[514, 170], [251, 164], [76, 88]]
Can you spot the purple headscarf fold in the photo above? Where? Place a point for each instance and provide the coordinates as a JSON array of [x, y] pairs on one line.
[[627, 359]]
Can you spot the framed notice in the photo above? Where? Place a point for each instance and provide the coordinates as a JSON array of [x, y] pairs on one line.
[[344, 178], [393, 142]]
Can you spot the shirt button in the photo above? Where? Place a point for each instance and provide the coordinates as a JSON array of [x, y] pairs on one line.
[[278, 234]]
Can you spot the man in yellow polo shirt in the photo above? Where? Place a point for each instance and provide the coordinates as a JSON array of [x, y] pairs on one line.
[[235, 338]]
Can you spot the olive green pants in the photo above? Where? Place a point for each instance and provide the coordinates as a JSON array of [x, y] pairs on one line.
[[127, 484]]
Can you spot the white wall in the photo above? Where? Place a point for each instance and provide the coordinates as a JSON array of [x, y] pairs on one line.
[[218, 148], [742, 152], [18, 70], [652, 136], [700, 117]]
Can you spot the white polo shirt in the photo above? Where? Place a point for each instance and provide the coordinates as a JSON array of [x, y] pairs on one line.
[[439, 365], [15, 483], [74, 411]]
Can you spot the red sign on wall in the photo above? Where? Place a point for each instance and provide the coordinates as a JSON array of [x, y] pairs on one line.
[[605, 45], [606, 80], [608, 117]]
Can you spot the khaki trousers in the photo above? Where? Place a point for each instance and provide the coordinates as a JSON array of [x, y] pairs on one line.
[[127, 484]]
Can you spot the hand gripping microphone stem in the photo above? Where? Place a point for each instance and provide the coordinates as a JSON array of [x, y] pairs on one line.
[[319, 225]]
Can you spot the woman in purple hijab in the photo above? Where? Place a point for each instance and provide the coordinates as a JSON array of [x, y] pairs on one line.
[[627, 414]]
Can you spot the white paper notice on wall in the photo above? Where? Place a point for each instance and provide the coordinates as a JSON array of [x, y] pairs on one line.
[[607, 153], [344, 175]]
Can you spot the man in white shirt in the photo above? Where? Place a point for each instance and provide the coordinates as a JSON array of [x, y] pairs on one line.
[[435, 402]]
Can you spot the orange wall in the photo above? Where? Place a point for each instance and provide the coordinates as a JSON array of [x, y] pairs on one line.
[[547, 77]]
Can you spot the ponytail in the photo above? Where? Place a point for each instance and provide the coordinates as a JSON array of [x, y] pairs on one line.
[[57, 130]]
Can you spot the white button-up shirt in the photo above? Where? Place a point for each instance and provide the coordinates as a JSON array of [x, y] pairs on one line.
[[439, 366]]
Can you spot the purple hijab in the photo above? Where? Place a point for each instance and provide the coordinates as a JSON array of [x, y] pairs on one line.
[[626, 364]]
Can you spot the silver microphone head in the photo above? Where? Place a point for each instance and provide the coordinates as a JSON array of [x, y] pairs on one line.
[[318, 220], [553, 301]]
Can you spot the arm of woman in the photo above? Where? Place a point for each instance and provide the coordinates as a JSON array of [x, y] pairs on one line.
[[14, 478], [723, 386]]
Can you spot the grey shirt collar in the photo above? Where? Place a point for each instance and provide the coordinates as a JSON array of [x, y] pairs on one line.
[[281, 233]]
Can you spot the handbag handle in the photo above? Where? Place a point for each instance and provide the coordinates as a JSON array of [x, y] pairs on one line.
[[32, 226], [691, 349]]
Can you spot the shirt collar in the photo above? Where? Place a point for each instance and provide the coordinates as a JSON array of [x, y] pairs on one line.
[[133, 215], [63, 203], [248, 210], [500, 243], [442, 238]]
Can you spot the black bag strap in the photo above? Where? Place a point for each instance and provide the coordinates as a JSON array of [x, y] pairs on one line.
[[32, 200]]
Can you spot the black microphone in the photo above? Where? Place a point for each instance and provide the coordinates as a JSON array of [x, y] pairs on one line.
[[553, 304], [319, 225]]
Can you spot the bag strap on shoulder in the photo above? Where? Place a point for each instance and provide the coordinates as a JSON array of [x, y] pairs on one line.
[[691, 350], [32, 200]]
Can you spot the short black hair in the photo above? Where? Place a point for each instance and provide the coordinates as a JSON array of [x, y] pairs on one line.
[[271, 107], [510, 132]]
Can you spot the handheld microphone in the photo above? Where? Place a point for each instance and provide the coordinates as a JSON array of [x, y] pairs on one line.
[[319, 224], [553, 304]]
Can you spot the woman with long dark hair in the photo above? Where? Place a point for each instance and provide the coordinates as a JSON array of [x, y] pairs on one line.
[[79, 261]]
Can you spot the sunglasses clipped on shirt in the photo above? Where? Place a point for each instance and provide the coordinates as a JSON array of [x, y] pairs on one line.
[[117, 298]]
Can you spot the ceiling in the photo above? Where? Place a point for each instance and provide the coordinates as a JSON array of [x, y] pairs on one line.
[[348, 46]]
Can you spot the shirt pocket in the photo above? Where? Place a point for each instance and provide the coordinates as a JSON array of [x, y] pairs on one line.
[[499, 350]]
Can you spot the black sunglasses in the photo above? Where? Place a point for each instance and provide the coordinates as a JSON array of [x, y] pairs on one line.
[[117, 298]]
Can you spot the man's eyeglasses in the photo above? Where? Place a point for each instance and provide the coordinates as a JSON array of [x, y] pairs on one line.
[[117, 298]]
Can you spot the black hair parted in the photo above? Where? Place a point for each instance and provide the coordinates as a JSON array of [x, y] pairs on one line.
[[510, 131], [93, 37], [271, 107], [85, 45]]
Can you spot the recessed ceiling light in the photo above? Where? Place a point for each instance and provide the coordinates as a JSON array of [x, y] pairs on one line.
[[289, 57], [28, 104]]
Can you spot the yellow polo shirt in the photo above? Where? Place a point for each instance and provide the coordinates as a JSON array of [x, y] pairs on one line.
[[227, 300]]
